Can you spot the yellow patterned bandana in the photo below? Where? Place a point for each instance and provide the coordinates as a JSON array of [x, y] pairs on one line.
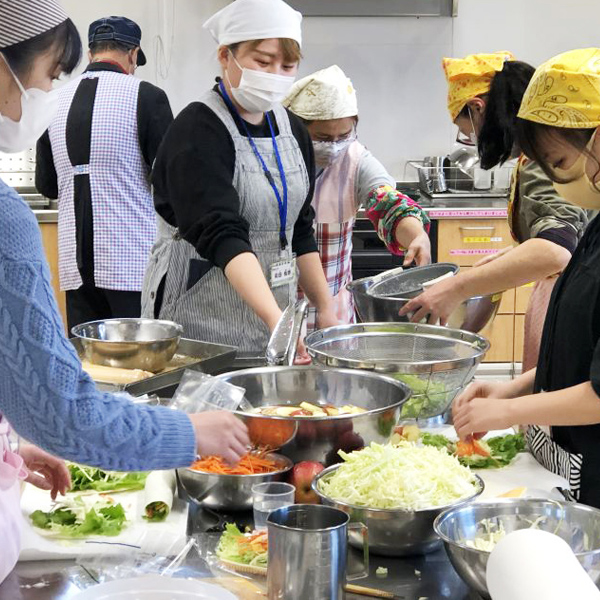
[[565, 91], [470, 77]]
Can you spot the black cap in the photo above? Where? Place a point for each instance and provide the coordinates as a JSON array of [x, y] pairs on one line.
[[119, 29]]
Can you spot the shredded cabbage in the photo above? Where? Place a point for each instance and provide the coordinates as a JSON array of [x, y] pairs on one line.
[[405, 476]]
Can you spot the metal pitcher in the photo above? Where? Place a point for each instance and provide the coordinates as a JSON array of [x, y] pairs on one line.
[[308, 545]]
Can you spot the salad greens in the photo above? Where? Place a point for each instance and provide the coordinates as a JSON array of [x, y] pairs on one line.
[[90, 478], [246, 549], [429, 399], [74, 522], [500, 450], [404, 476]]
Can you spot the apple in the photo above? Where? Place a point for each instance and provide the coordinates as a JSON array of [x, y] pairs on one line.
[[302, 477]]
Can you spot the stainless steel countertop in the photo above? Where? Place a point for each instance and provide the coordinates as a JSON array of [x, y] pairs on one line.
[[46, 215], [429, 576]]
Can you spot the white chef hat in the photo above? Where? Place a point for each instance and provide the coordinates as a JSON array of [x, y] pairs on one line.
[[247, 20], [22, 20], [326, 94]]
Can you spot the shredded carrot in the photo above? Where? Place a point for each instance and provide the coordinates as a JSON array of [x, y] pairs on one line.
[[250, 464]]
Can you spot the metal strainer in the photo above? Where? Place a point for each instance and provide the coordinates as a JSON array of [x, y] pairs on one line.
[[405, 283], [436, 362]]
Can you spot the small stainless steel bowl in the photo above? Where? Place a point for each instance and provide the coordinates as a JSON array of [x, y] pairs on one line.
[[577, 524], [146, 344], [227, 492], [393, 531]]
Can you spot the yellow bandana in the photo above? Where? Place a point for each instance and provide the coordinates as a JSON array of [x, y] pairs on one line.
[[565, 91], [470, 77]]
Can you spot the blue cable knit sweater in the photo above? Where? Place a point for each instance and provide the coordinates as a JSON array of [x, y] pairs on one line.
[[44, 393]]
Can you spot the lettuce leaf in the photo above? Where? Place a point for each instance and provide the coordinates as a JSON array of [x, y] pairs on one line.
[[98, 520], [232, 550], [85, 478], [503, 449]]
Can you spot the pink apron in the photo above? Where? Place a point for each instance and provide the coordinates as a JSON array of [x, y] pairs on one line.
[[336, 205], [11, 474]]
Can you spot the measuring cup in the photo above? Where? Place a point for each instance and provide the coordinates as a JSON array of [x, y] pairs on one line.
[[308, 547]]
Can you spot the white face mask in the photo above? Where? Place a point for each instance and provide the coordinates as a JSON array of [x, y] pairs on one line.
[[37, 111], [259, 91], [327, 152]]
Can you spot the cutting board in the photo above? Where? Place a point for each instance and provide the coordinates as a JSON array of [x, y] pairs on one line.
[[153, 537]]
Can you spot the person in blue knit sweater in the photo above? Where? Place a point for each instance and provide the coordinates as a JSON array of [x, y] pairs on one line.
[[44, 393]]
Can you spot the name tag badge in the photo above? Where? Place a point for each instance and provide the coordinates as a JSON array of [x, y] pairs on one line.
[[283, 272]]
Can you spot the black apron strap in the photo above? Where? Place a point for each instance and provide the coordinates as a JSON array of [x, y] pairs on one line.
[[79, 140]]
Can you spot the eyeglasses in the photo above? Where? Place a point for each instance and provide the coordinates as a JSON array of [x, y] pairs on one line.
[[348, 137]]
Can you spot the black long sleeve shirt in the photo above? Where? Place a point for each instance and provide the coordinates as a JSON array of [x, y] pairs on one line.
[[193, 184]]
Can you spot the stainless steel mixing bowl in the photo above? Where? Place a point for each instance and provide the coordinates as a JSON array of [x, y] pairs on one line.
[[146, 344], [320, 439], [474, 314], [392, 532], [227, 492], [577, 524]]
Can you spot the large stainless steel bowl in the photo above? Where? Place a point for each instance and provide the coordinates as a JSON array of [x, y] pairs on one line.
[[320, 439], [227, 492], [393, 532], [146, 344], [474, 314], [577, 524]]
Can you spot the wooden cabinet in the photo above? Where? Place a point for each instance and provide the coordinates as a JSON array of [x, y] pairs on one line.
[[50, 241], [501, 336], [519, 334], [465, 241]]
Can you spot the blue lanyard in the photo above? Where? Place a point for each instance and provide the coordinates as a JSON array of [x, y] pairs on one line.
[[282, 203]]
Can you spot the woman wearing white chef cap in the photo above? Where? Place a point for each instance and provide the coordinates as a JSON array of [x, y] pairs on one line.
[[233, 183], [348, 177]]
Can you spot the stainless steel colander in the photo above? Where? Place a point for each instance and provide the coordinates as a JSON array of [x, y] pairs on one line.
[[435, 362]]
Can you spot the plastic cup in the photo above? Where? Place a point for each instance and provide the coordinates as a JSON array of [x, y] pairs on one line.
[[269, 496]]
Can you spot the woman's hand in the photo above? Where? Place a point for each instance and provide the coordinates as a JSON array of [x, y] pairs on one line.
[[45, 471], [437, 303], [481, 408], [419, 250], [302, 356], [220, 433]]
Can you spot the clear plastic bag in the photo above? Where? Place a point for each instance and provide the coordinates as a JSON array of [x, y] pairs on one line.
[[163, 554], [198, 392]]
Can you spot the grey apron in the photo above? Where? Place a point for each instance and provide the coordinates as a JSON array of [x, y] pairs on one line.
[[211, 310]]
